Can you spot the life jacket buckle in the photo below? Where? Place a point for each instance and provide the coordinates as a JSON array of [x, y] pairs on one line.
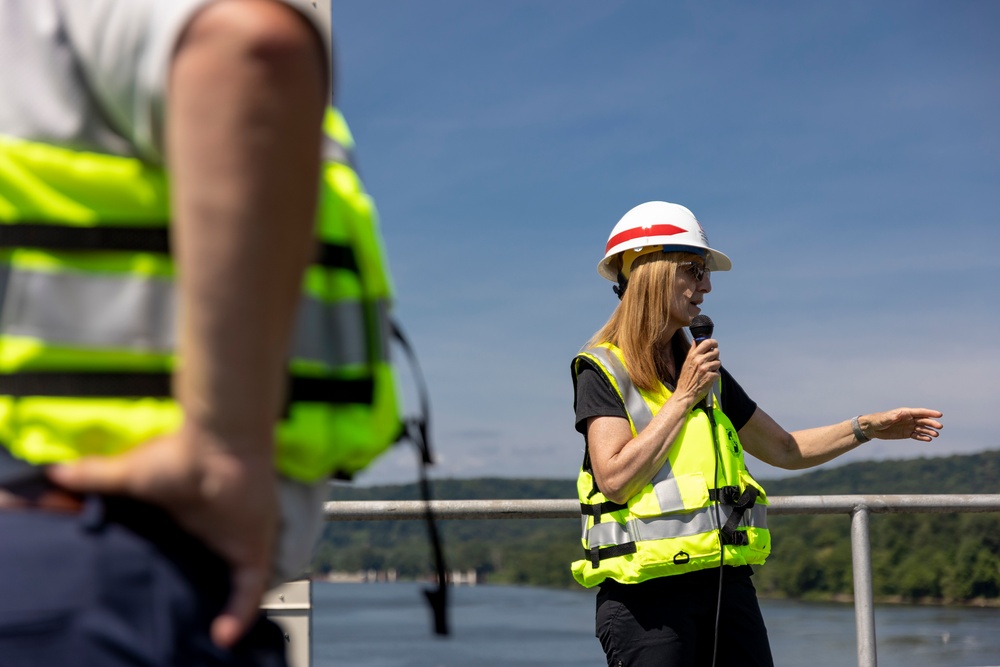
[[728, 533], [727, 495], [748, 499], [736, 538]]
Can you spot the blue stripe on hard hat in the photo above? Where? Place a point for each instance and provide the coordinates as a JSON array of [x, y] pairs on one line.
[[685, 248]]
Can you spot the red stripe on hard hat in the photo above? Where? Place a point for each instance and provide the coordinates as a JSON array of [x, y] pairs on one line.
[[655, 230]]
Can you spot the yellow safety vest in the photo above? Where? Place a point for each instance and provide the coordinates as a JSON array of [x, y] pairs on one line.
[[88, 312], [701, 508]]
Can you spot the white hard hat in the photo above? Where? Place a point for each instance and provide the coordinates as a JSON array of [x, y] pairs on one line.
[[657, 226]]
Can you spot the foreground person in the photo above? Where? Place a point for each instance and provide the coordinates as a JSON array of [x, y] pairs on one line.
[[168, 420]]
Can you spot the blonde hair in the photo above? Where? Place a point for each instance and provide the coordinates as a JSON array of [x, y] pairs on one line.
[[639, 324]]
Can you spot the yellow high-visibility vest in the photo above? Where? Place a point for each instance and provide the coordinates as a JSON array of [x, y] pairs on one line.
[[701, 509], [88, 313]]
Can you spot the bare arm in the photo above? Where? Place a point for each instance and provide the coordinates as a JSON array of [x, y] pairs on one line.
[[622, 464], [763, 438], [243, 137], [245, 103]]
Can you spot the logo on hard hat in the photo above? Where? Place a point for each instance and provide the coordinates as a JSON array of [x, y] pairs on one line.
[[644, 231]]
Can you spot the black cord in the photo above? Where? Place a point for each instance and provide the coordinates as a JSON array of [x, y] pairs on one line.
[[418, 432], [437, 598], [718, 522]]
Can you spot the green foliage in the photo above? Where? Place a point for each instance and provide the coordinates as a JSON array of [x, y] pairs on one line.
[[953, 558], [975, 473], [535, 552]]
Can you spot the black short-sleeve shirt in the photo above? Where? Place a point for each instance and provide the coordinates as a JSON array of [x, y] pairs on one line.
[[596, 398]]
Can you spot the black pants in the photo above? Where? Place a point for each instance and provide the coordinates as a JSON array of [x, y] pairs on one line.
[[670, 622]]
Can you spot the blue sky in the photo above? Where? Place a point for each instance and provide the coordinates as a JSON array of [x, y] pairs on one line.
[[845, 155]]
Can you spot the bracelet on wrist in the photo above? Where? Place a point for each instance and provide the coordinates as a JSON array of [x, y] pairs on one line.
[[858, 433]]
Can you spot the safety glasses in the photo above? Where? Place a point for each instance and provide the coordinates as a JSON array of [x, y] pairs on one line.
[[696, 270]]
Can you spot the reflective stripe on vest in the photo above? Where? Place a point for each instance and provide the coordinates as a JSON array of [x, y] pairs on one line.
[[639, 413], [702, 520], [139, 313], [334, 151]]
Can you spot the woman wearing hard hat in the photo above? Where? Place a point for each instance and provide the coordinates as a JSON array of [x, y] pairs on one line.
[[672, 518]]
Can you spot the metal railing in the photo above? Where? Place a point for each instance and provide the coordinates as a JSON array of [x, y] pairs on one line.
[[859, 507]]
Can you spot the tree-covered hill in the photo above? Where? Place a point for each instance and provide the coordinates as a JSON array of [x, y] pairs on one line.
[[975, 473], [945, 557], [952, 558]]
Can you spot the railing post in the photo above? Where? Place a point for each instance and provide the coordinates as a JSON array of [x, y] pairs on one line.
[[290, 606], [864, 607]]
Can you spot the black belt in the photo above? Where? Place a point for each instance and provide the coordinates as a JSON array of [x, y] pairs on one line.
[[24, 486], [46, 497]]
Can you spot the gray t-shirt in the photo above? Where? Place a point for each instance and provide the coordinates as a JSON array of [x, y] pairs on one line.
[[92, 75]]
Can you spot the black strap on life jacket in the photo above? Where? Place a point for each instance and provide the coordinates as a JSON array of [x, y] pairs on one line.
[[727, 495], [88, 384], [417, 431], [121, 238], [596, 554], [50, 236], [597, 509]]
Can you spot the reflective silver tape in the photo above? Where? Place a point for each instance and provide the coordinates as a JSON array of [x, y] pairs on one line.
[[334, 334], [606, 533], [90, 310], [383, 328], [4, 275], [755, 517], [334, 151], [667, 492], [139, 313], [694, 523], [683, 524], [634, 404]]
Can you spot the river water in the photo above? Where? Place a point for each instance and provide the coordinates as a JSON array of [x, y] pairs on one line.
[[389, 625]]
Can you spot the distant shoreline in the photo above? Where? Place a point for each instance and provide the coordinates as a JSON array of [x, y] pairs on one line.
[[378, 577], [895, 600]]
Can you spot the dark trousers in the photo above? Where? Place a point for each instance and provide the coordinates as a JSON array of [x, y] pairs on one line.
[[670, 621], [114, 584]]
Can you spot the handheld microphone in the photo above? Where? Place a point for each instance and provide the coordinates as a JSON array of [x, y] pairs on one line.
[[701, 327]]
